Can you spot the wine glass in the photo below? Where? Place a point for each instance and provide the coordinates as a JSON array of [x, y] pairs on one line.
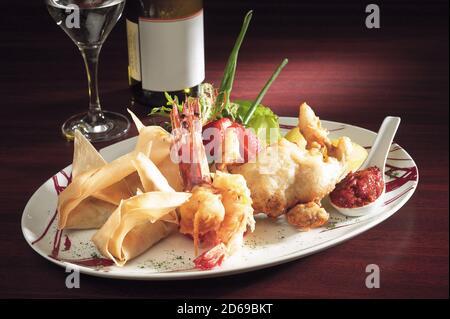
[[88, 23]]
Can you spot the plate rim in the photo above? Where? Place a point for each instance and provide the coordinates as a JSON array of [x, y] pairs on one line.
[[218, 272]]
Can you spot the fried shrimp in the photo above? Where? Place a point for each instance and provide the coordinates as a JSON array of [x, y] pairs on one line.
[[219, 211], [238, 208], [202, 215]]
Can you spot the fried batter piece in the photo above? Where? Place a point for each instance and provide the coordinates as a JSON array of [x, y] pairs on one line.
[[307, 216], [286, 175]]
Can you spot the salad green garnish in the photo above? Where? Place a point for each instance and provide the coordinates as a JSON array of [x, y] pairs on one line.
[[262, 118]]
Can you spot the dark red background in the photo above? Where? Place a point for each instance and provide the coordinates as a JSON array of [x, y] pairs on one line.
[[345, 71]]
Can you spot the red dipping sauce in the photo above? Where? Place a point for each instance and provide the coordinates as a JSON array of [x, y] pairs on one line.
[[359, 188]]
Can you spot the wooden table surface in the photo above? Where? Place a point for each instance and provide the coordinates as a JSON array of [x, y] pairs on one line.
[[346, 72]]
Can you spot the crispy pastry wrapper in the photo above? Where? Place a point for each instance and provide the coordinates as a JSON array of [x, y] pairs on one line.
[[137, 224], [141, 221], [160, 153], [98, 187]]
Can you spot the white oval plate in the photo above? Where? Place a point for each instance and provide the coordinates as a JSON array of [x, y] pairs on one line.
[[272, 243]]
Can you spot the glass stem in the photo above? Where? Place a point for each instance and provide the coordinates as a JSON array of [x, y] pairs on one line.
[[90, 57]]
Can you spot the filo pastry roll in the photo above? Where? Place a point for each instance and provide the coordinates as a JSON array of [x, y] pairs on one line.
[[95, 190], [98, 187], [142, 220]]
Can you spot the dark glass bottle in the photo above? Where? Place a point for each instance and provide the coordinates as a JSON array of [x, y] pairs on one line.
[[165, 49]]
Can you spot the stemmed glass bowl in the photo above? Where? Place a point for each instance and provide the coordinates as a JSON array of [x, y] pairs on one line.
[[88, 23]]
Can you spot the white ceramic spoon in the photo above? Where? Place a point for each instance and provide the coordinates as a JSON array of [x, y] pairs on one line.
[[377, 157]]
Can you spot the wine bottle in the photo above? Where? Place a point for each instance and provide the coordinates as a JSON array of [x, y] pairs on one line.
[[165, 49]]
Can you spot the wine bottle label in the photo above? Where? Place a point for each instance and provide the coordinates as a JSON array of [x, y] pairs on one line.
[[134, 66], [172, 54]]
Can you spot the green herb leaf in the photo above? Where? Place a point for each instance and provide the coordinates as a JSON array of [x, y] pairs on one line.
[[165, 110], [162, 111], [263, 118], [230, 69], [209, 110], [263, 92]]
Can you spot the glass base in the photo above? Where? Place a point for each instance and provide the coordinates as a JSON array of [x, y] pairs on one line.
[[107, 127]]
